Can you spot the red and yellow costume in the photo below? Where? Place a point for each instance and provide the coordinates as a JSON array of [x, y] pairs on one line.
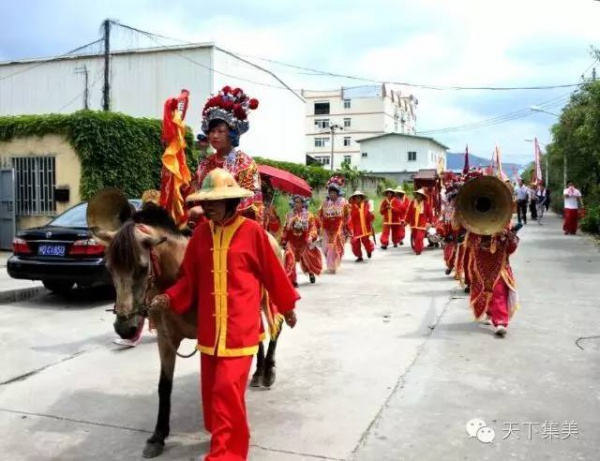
[[222, 275], [418, 217], [244, 170], [175, 175], [333, 216], [391, 210], [493, 289], [271, 221], [300, 235], [404, 204], [361, 226]]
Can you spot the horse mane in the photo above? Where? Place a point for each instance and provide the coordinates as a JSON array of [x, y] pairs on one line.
[[154, 215], [124, 251]]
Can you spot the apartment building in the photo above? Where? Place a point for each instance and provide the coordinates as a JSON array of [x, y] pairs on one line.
[[337, 119]]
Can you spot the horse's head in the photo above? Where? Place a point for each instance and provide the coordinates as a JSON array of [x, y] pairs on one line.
[[132, 260]]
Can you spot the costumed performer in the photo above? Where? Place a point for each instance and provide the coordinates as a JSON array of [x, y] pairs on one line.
[[334, 215], [418, 217], [227, 262], [361, 225], [390, 209], [300, 235]]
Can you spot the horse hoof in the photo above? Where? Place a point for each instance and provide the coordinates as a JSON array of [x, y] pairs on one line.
[[153, 449], [255, 381], [268, 378]]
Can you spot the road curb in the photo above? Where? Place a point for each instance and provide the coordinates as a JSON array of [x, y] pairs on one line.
[[20, 294]]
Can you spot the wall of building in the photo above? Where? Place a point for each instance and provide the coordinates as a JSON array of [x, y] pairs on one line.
[[277, 126], [140, 83], [67, 167], [389, 154]]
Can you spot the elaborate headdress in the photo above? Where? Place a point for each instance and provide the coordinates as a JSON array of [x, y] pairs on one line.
[[230, 105], [295, 197], [336, 183]]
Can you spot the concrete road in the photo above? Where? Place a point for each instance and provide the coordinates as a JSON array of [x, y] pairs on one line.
[[385, 363]]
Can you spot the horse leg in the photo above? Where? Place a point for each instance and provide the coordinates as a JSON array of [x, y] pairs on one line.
[[155, 445], [260, 361], [269, 366]]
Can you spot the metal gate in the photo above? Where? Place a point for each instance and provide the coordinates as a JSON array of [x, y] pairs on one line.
[[8, 222]]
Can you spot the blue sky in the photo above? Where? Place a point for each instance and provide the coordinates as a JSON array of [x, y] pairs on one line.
[[434, 42]]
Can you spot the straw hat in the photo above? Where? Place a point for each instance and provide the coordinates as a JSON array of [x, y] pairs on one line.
[[151, 196], [389, 189], [357, 193], [399, 190], [421, 192], [219, 185]]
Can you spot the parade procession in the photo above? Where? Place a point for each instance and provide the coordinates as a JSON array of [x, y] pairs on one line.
[[278, 231], [235, 282]]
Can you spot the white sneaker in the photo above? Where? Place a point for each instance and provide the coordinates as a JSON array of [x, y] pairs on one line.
[[126, 342], [500, 330], [486, 321]]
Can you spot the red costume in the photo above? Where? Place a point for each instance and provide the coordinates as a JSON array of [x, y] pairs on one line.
[[418, 217], [222, 275], [271, 221], [404, 204], [493, 289], [333, 216], [391, 210], [300, 235], [361, 226]]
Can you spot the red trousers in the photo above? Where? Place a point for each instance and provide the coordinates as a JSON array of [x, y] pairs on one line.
[[223, 388], [416, 239], [394, 230], [498, 309], [365, 241], [570, 221]]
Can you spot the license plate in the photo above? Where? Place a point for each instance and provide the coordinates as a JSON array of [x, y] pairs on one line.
[[51, 250]]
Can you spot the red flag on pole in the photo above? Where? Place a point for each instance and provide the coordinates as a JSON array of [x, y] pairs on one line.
[[466, 167], [537, 172]]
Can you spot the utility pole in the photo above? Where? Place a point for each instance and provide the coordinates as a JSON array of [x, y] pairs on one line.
[[86, 94], [594, 74], [332, 129], [106, 88]]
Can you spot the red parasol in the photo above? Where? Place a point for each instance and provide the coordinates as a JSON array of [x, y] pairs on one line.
[[285, 181]]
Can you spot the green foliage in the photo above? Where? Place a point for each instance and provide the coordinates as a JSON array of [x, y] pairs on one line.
[[577, 138], [591, 221], [386, 183], [114, 149]]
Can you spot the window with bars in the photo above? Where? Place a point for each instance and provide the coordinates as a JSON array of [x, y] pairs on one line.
[[35, 178], [321, 142]]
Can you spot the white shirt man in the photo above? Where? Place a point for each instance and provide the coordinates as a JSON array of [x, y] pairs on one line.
[[573, 200]]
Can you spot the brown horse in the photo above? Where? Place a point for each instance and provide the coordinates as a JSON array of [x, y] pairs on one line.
[[144, 257]]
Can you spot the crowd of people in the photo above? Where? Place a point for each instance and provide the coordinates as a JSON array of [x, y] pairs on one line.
[[230, 265]]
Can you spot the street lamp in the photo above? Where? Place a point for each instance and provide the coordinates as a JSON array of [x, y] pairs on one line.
[[544, 145], [331, 130], [539, 109]]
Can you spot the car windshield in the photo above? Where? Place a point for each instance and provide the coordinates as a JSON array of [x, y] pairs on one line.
[[76, 216]]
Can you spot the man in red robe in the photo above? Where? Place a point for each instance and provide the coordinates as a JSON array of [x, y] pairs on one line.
[[361, 225], [418, 217], [493, 288], [404, 204], [390, 209], [227, 262]]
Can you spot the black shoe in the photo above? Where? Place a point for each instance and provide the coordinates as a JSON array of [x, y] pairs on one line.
[[359, 260], [312, 278], [369, 255], [295, 284], [395, 245], [384, 247], [448, 271], [401, 243], [467, 289]]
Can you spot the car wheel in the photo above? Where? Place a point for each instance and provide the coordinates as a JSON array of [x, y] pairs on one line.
[[58, 287]]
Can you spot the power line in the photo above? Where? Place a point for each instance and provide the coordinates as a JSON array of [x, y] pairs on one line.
[[358, 78], [96, 80], [41, 63]]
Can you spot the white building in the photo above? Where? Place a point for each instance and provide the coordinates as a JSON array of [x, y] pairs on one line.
[[399, 156], [340, 118], [141, 81]]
